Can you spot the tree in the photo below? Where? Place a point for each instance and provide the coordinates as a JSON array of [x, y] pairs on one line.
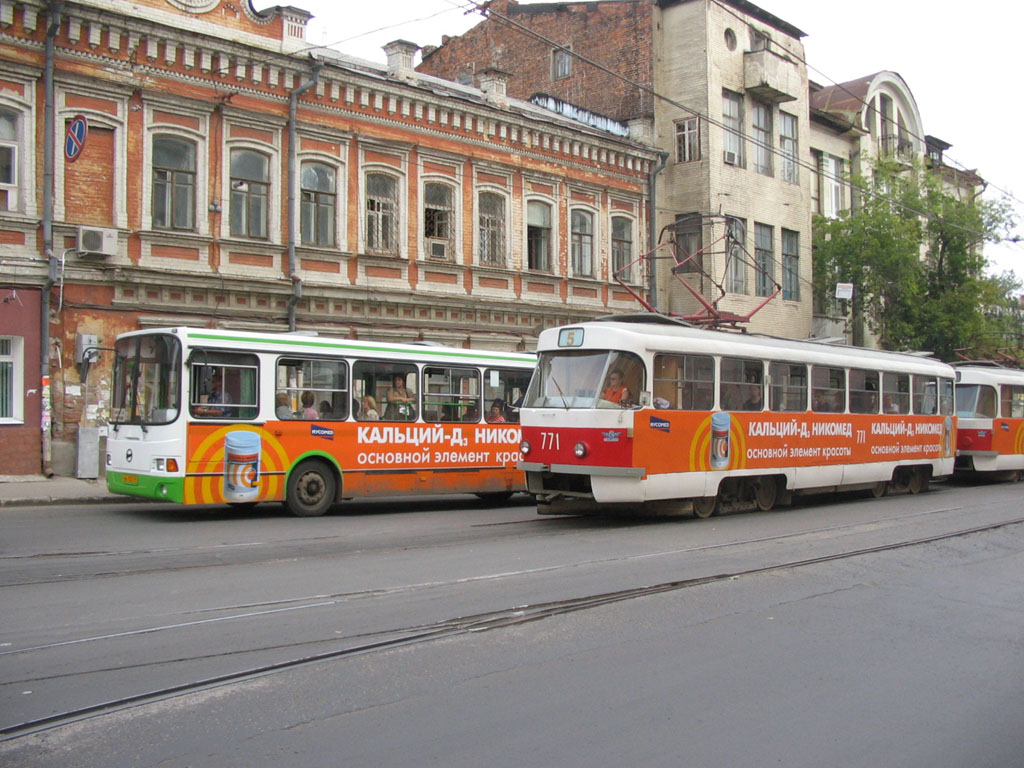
[[912, 250]]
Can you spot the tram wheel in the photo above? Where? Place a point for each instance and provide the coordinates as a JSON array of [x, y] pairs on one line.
[[917, 481], [312, 489], [705, 506], [494, 497], [878, 490], [766, 492]]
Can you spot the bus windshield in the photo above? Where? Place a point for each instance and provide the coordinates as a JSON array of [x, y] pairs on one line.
[[147, 380], [586, 379]]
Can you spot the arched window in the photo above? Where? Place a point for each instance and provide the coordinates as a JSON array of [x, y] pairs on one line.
[[538, 236], [318, 204], [622, 248], [174, 183], [439, 219], [250, 193], [582, 243], [382, 213], [491, 219]]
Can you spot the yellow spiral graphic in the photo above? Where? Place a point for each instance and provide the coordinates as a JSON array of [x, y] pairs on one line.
[[700, 447], [1018, 439], [208, 489]]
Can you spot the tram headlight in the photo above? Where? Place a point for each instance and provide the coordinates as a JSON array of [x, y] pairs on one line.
[[580, 449], [524, 447]]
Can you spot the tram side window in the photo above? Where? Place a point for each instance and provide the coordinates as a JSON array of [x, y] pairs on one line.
[[925, 395], [787, 388], [946, 397], [895, 392], [684, 382], [223, 386], [451, 394], [1013, 401], [507, 388], [828, 389], [863, 391], [742, 385], [312, 389], [385, 391]]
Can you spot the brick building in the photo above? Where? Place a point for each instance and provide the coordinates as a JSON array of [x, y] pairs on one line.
[[721, 88], [233, 176]]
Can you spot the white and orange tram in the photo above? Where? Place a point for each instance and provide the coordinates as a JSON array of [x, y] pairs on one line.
[[990, 410], [641, 410]]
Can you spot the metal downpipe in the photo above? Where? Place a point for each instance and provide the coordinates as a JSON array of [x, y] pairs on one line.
[[652, 228]]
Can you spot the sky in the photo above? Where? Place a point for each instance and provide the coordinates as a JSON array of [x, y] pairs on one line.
[[956, 58]]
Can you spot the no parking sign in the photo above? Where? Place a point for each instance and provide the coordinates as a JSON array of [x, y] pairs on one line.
[[74, 138]]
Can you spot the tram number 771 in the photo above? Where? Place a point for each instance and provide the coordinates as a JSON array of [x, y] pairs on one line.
[[549, 441]]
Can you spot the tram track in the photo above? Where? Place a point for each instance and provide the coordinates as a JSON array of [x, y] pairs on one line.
[[395, 638]]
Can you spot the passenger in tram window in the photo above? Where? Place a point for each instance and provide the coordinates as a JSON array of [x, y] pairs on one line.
[[819, 404], [890, 404], [616, 391], [497, 413], [754, 401]]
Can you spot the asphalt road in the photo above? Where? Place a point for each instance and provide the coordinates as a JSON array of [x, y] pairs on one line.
[[410, 632]]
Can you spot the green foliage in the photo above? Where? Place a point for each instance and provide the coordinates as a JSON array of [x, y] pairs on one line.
[[912, 250]]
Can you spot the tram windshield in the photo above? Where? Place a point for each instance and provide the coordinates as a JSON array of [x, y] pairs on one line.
[[975, 401], [147, 380], [586, 379]]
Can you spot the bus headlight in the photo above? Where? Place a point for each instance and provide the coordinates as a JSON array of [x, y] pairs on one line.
[[580, 449], [524, 447]]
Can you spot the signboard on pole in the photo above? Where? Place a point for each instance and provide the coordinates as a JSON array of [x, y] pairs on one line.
[[74, 138]]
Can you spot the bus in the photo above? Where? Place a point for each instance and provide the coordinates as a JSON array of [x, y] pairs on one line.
[[644, 411], [201, 416], [990, 411]]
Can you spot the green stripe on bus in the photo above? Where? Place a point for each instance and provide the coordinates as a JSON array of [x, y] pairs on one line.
[[147, 486], [425, 351]]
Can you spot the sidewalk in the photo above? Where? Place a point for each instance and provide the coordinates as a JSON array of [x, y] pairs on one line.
[[26, 490]]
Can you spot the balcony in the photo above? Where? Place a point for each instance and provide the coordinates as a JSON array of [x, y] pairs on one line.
[[896, 146], [770, 78]]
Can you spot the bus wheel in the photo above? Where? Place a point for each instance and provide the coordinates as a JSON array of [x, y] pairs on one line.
[[766, 492], [705, 506], [311, 489], [495, 497], [917, 481], [878, 490]]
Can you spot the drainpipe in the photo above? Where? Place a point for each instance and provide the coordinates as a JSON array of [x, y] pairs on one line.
[[652, 227], [293, 183], [49, 125]]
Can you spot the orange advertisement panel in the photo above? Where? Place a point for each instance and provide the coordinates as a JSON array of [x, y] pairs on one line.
[[679, 441], [240, 462]]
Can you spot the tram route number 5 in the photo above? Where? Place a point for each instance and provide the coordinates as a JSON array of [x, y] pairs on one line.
[[549, 441], [74, 138]]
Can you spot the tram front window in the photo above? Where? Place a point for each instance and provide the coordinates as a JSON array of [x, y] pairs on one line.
[[586, 379], [975, 401], [147, 380]]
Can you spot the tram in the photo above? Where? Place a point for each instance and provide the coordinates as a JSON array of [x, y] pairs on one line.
[[645, 412], [203, 416], [990, 411]]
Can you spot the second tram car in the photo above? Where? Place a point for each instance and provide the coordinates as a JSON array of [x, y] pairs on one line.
[[642, 410], [990, 410]]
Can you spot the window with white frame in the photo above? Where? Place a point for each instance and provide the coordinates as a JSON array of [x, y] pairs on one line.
[[622, 248], [582, 243], [12, 384], [764, 259], [8, 160], [174, 183], [790, 265], [735, 249], [831, 186], [491, 223], [688, 140], [732, 122], [382, 214], [250, 193], [538, 235], [319, 204], [763, 138], [561, 64], [788, 168], [439, 219]]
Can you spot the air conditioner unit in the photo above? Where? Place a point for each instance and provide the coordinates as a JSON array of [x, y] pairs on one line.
[[97, 241], [732, 158], [438, 249]]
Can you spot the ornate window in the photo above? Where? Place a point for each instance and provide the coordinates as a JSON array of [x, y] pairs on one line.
[[12, 374], [8, 160], [538, 236], [439, 219], [174, 183], [319, 203], [382, 214], [622, 248], [582, 243], [491, 222], [250, 193]]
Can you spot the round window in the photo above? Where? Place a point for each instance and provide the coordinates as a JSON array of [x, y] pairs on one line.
[[730, 39]]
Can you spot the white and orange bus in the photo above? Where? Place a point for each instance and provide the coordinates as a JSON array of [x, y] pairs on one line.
[[643, 410], [990, 411], [202, 416]]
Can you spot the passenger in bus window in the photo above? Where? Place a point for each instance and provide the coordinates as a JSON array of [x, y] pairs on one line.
[[217, 396], [307, 411], [326, 411], [401, 401], [616, 391], [472, 414], [284, 408], [368, 410], [497, 413], [755, 400]]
